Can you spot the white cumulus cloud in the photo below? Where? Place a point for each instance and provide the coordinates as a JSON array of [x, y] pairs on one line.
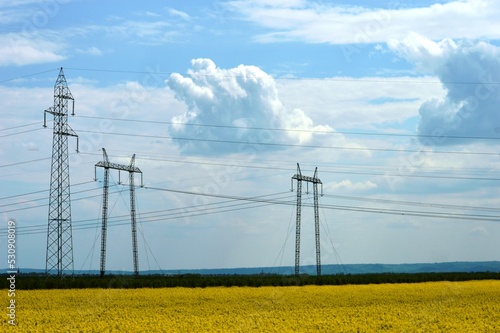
[[178, 13], [23, 50], [348, 185], [469, 72], [243, 104], [337, 23], [93, 51]]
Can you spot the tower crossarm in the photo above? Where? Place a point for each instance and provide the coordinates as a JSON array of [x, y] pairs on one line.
[[313, 180], [120, 167], [63, 128], [116, 166], [69, 131]]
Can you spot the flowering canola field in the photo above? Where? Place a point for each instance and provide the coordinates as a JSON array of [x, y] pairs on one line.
[[425, 307]]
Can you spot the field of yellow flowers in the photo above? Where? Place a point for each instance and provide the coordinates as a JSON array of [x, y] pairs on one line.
[[424, 307]]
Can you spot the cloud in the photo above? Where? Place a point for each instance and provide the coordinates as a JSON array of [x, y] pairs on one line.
[[234, 100], [404, 224], [479, 231], [143, 32], [421, 50], [7, 3], [93, 51], [355, 104], [348, 185], [28, 13], [22, 50], [321, 22], [178, 13], [149, 30], [469, 72]]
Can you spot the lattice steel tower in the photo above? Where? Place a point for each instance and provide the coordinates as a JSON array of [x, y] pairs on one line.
[[315, 181], [131, 169], [59, 256]]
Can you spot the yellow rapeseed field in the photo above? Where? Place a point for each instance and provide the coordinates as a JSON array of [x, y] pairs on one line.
[[425, 307]]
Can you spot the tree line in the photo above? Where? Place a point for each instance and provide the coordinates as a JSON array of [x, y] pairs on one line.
[[41, 281]]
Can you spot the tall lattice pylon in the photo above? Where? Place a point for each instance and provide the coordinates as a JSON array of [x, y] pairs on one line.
[[131, 169], [59, 256], [315, 181]]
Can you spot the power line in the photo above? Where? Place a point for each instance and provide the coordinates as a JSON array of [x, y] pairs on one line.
[[29, 75], [338, 79], [292, 145], [179, 213], [412, 175], [118, 71], [334, 79], [409, 80], [23, 194], [45, 205], [364, 209], [472, 217], [22, 132], [335, 171], [46, 198], [293, 129], [41, 191], [260, 200], [348, 208], [200, 163], [153, 216], [176, 211], [25, 162], [413, 203], [266, 164], [127, 222], [26, 125]]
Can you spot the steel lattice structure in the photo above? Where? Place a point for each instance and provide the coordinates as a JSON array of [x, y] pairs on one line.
[[315, 181], [59, 256], [131, 169]]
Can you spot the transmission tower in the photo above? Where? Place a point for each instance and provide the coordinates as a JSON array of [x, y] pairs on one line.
[[315, 181], [131, 169], [59, 255]]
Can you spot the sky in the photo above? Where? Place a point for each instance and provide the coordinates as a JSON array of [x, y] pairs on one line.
[[396, 103]]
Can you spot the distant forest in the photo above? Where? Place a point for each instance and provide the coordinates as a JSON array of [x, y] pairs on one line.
[[39, 281]]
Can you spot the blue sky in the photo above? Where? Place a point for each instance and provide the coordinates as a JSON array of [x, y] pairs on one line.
[[396, 104]]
